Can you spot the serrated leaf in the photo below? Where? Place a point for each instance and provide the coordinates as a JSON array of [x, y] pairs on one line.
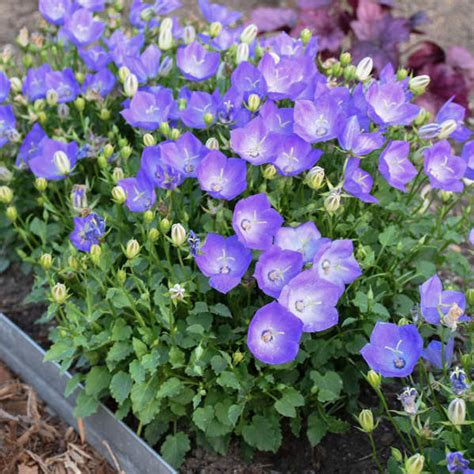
[[170, 388], [287, 404], [317, 429], [139, 347], [72, 384], [120, 386], [137, 372], [234, 413], [203, 417], [221, 310], [97, 380], [121, 331], [263, 433], [118, 298], [329, 385], [118, 352], [228, 379], [85, 405], [175, 448]]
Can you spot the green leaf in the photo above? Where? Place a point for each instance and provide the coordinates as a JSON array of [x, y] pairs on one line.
[[170, 388], [40, 229], [139, 347], [329, 385], [72, 384], [221, 310], [203, 417], [121, 331], [263, 433], [85, 405], [118, 298], [175, 448], [137, 371], [234, 413], [389, 236], [218, 364], [228, 379], [97, 380], [118, 352], [59, 350], [287, 404], [317, 429], [120, 386]]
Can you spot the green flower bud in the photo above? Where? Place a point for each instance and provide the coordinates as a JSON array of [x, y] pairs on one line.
[[104, 114], [16, 85], [108, 150], [446, 196], [41, 184], [305, 36], [102, 161], [447, 127], [123, 73], [165, 225], [404, 322], [178, 235], [11, 213], [52, 97], [345, 58], [237, 357], [336, 70], [182, 103], [130, 85], [333, 201], [80, 104], [59, 293], [79, 77], [117, 174], [457, 412], [148, 216], [121, 276], [422, 118], [212, 143], [6, 194], [175, 133], [249, 33], [269, 172], [418, 84], [153, 235], [242, 53], [149, 139], [208, 119], [350, 73], [72, 262], [397, 455], [253, 102], [470, 296], [165, 128], [414, 464], [315, 177], [46, 261], [95, 253], [119, 195], [125, 152], [132, 249], [27, 60], [366, 421], [402, 73], [214, 29], [374, 379]]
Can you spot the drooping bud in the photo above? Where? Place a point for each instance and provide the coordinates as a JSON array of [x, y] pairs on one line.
[[249, 33], [62, 162], [253, 102], [269, 171], [178, 235], [11, 213], [212, 143], [119, 195], [130, 85], [457, 412], [189, 34], [59, 293], [414, 464], [117, 174], [447, 127], [315, 177], [242, 53], [305, 36], [374, 379], [46, 261], [214, 29], [366, 421], [364, 68], [149, 139], [6, 195], [132, 249]]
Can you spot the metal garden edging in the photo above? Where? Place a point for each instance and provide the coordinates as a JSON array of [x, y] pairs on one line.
[[25, 358]]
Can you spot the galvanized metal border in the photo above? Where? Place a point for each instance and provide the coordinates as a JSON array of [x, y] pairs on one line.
[[25, 358]]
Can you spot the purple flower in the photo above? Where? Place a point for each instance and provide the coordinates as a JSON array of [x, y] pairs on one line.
[[358, 182], [55, 11], [82, 28], [274, 335], [471, 236], [147, 110], [121, 46], [4, 87], [277, 120], [31, 145], [247, 79], [87, 231], [196, 63], [7, 123], [444, 169], [95, 57], [393, 350], [441, 306], [184, 154], [199, 106], [468, 157], [231, 111], [224, 261], [255, 222], [101, 83], [92, 5], [305, 239], [214, 12], [452, 111], [222, 177], [335, 262], [294, 155], [395, 166], [275, 268], [63, 83], [311, 300], [194, 243], [147, 66], [34, 86], [459, 382], [434, 353], [388, 104], [47, 163], [139, 191], [457, 462], [318, 121], [159, 174], [254, 142], [354, 140]]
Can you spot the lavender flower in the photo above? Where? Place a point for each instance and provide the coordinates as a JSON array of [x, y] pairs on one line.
[[358, 182], [221, 177], [34, 85], [457, 463], [55, 11], [201, 110], [247, 79], [147, 66], [408, 400], [196, 63], [452, 111], [468, 157], [7, 123], [434, 353], [335, 262], [459, 382], [31, 145], [194, 243], [95, 57], [122, 46], [82, 28], [354, 140], [88, 231], [224, 261], [274, 335], [139, 191], [4, 87], [395, 166], [312, 300], [305, 239], [157, 171], [99, 84], [278, 120], [393, 350], [213, 12], [92, 5], [255, 222], [79, 198], [63, 83], [275, 268], [444, 169]]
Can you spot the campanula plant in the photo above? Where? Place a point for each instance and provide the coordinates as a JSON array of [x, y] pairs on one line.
[[224, 229]]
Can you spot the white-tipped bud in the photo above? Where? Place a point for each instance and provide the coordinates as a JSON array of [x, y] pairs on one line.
[[130, 85], [253, 102], [457, 411], [178, 235], [166, 24], [214, 29], [243, 53], [414, 464], [189, 34], [5, 174], [16, 84], [52, 97], [132, 249], [59, 293], [366, 421], [165, 40], [6, 195], [333, 201], [149, 139], [46, 261], [447, 127], [418, 84], [249, 34], [315, 177], [212, 143], [166, 67], [305, 35], [119, 195], [62, 162], [123, 73], [117, 174], [364, 68]]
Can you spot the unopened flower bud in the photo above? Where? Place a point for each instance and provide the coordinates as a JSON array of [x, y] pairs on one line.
[[178, 235], [166, 24], [95, 253], [189, 34], [350, 72], [402, 73], [165, 225], [447, 127], [345, 58], [315, 177], [5, 174], [59, 293], [132, 249], [165, 128], [102, 161], [52, 97], [23, 37], [165, 40], [208, 119], [123, 73], [130, 85], [79, 197], [41, 184], [337, 70], [119, 195], [237, 357], [269, 171], [214, 29], [414, 464], [396, 454], [6, 195], [333, 201], [374, 379], [46, 261], [457, 411], [175, 133], [104, 114], [418, 84], [212, 143], [422, 117], [306, 36], [147, 14], [364, 68], [62, 162], [428, 131], [63, 111], [80, 104], [125, 152], [153, 235], [108, 150], [80, 77], [11, 213], [149, 139], [470, 296], [249, 33], [242, 53], [253, 102], [121, 276], [16, 85], [177, 292], [72, 262], [446, 195], [403, 321], [148, 216], [366, 421], [117, 174], [166, 66]]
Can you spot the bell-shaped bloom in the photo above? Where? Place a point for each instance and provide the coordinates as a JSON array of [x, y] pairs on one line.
[[274, 335], [468, 157], [358, 182], [458, 463], [354, 140], [255, 222], [45, 164], [305, 239], [31, 145], [4, 87], [393, 350], [88, 231], [64, 84], [388, 104], [293, 155], [55, 11], [214, 12], [247, 79], [395, 166], [224, 261], [159, 174], [444, 169], [278, 120], [254, 142], [452, 111], [147, 66], [276, 268], [442, 306], [196, 63], [122, 46], [82, 28], [7, 123], [435, 354], [312, 300], [147, 110], [231, 111], [184, 154], [318, 121], [139, 192], [99, 84], [201, 110], [222, 177], [92, 5], [335, 262], [34, 85], [95, 57]]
